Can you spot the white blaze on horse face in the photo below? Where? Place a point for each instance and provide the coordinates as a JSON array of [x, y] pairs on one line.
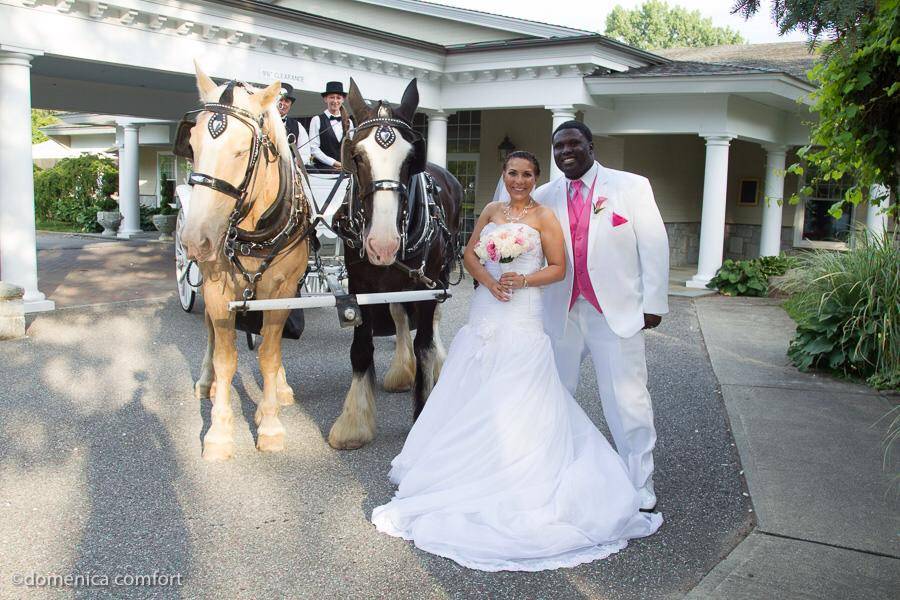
[[383, 239]]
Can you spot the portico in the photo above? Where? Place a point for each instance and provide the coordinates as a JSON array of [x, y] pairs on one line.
[[712, 138]]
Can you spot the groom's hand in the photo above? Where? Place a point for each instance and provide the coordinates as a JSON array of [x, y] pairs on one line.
[[651, 321]]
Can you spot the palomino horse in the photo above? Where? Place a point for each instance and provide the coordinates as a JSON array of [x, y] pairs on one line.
[[248, 228], [400, 226]]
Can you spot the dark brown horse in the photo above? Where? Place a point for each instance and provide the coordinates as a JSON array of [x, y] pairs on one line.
[[400, 228]]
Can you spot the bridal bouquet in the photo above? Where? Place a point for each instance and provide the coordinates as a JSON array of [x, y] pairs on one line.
[[502, 245]]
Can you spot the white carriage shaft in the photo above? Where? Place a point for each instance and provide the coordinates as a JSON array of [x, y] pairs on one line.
[[329, 300]]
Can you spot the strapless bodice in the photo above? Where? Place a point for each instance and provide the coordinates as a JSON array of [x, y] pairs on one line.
[[524, 308]]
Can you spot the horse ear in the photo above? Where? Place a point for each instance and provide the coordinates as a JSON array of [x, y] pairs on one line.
[[409, 103], [205, 85], [267, 97], [358, 104]]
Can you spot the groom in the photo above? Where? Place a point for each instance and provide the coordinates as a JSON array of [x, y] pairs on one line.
[[617, 278]]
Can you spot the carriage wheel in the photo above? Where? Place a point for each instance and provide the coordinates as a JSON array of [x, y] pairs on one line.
[[185, 271]]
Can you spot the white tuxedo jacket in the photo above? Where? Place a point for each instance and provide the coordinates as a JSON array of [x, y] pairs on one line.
[[628, 265]]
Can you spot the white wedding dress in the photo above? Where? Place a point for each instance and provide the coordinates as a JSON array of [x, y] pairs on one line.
[[503, 470]]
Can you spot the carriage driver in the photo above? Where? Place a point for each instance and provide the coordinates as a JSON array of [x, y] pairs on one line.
[[295, 131], [326, 148]]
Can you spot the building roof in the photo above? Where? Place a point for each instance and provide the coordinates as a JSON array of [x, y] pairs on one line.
[[792, 58], [558, 42], [426, 22], [481, 17], [683, 67]]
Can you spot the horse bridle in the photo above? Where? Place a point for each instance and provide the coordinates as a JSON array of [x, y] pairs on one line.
[[384, 137], [266, 244], [424, 184], [217, 124]]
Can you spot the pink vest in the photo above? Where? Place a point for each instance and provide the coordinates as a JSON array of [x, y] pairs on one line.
[[578, 227]]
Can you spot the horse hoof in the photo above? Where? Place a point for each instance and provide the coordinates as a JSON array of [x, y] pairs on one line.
[[270, 443], [398, 380], [340, 439], [217, 452], [346, 444], [394, 388]]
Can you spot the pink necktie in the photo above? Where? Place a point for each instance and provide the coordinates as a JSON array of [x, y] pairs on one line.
[[577, 198]]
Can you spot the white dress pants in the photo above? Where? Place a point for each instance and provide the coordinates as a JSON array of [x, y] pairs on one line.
[[621, 368]]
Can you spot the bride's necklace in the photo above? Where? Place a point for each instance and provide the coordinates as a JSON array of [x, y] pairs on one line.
[[507, 211]]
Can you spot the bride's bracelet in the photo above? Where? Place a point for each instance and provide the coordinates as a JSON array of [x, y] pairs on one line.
[[524, 281]]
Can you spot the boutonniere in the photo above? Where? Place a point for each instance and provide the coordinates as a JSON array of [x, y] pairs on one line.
[[600, 204]]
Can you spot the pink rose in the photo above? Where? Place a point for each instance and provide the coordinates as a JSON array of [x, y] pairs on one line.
[[491, 250]]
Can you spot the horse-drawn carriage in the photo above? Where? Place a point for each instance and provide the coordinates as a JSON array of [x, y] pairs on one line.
[[394, 228]]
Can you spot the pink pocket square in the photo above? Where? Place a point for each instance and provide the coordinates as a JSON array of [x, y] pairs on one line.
[[618, 219]]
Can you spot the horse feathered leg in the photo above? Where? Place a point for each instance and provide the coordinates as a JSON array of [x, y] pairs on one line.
[[218, 443], [425, 356], [270, 432], [205, 384], [402, 372], [355, 427]]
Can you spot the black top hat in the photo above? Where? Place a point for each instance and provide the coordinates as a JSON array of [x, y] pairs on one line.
[[334, 87], [287, 90]]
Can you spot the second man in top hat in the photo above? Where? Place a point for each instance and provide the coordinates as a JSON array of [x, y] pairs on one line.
[[295, 131], [326, 130]]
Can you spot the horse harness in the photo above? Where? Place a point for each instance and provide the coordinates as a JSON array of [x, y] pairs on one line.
[[288, 223], [284, 225], [420, 219]]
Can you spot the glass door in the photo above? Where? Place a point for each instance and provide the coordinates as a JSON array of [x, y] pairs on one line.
[[165, 175], [465, 168]]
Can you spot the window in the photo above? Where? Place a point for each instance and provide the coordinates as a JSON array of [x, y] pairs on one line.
[[463, 152], [464, 132], [166, 175], [171, 171], [813, 226]]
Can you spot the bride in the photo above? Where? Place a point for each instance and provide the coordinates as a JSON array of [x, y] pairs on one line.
[[503, 470]]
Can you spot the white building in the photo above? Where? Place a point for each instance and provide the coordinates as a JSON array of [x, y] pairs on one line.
[[712, 129]]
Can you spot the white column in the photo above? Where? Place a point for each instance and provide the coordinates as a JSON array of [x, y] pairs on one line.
[[561, 114], [876, 218], [770, 237], [129, 196], [437, 138], [18, 239], [712, 218]]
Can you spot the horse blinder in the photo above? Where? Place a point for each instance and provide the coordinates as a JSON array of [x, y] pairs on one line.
[[182, 145]]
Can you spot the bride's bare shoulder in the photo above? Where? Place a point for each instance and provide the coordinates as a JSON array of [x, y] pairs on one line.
[[490, 208]]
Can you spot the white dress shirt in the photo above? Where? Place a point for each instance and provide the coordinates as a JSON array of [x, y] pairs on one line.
[[587, 180], [314, 144]]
